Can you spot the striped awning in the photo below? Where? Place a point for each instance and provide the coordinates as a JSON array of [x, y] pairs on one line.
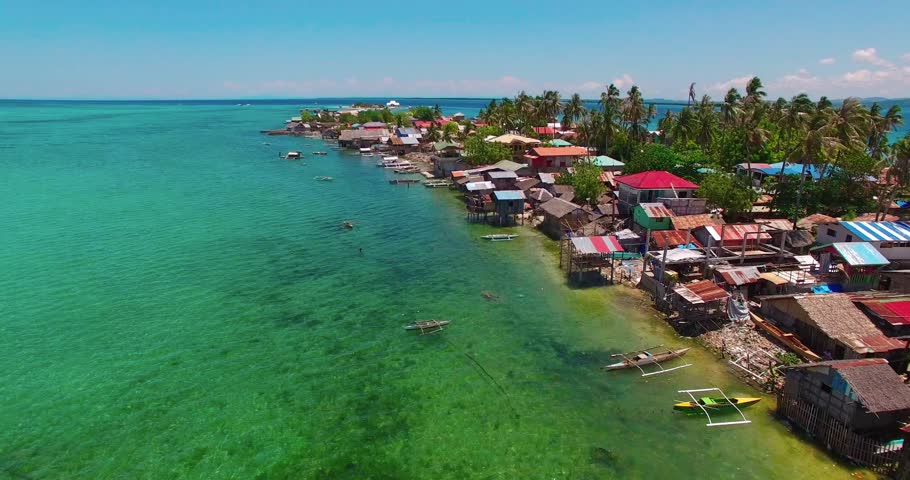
[[595, 245], [879, 231]]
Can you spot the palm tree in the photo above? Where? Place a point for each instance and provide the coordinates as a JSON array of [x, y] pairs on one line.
[[572, 110], [898, 176], [524, 105], [879, 127], [731, 108], [666, 126], [610, 106], [685, 127], [705, 120], [754, 94], [634, 114]]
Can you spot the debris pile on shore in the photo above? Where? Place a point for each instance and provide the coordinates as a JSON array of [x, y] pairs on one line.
[[749, 349]]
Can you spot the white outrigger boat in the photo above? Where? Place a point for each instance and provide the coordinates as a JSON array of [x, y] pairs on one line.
[[648, 356], [427, 327], [293, 156], [366, 152], [499, 237]]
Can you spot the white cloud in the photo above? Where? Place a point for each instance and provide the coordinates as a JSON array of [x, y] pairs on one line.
[[794, 83], [625, 81], [827, 61], [739, 83], [589, 86], [870, 55], [906, 57], [859, 76]]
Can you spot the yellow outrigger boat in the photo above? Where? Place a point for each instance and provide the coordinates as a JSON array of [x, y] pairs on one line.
[[716, 403], [722, 404]]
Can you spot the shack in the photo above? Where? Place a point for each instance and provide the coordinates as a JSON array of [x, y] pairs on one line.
[[856, 408], [652, 216], [698, 301], [586, 257], [560, 215], [502, 180], [509, 205], [833, 327], [859, 264]]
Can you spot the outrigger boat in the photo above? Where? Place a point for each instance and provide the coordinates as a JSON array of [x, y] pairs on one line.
[[323, 179], [293, 156], [437, 183], [403, 181], [427, 327], [716, 405], [646, 357], [348, 224], [320, 153], [410, 169], [499, 237]]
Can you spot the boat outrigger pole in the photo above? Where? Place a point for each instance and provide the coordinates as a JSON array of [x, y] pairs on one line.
[[730, 403]]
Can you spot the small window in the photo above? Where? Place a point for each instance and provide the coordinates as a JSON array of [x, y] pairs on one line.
[[849, 238], [826, 388], [831, 232]]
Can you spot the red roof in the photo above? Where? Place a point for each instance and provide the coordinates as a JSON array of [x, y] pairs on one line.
[[894, 312], [559, 151], [671, 238], [656, 180], [545, 130]]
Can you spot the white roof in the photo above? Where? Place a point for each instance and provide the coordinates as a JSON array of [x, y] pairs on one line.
[[473, 186]]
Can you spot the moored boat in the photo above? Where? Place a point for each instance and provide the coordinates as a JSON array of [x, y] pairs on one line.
[[405, 181], [718, 403], [292, 156], [427, 327], [323, 179], [320, 153], [646, 358], [499, 237]]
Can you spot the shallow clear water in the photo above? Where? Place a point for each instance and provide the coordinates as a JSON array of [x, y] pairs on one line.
[[177, 302]]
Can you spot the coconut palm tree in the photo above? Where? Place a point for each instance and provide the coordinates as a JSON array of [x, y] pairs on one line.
[[685, 127], [666, 126], [879, 127], [705, 121], [731, 108], [635, 115], [572, 110], [898, 176], [610, 104], [524, 105]]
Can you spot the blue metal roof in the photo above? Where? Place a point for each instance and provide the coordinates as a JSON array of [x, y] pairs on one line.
[[509, 195], [879, 231], [859, 254], [795, 169]]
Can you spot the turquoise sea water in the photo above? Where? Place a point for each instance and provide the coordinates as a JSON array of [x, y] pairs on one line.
[[177, 302]]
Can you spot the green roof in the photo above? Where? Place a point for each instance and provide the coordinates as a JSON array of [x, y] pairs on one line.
[[559, 143], [439, 146], [605, 161]]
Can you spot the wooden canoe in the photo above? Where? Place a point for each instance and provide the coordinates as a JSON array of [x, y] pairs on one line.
[[787, 339]]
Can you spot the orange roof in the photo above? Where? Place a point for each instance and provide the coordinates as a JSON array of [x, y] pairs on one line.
[[559, 151]]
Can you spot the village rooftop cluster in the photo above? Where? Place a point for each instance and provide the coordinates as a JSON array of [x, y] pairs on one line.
[[826, 301]]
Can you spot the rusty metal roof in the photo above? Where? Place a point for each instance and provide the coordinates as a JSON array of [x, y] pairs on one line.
[[672, 238], [701, 292], [688, 222], [740, 276], [736, 234], [656, 210]]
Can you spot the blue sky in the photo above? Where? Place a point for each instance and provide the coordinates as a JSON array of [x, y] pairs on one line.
[[232, 49]]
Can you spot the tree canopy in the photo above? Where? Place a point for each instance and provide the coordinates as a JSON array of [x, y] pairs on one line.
[[479, 152], [586, 181]]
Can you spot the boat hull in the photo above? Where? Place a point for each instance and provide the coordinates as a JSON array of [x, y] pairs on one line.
[[718, 404], [657, 358]]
